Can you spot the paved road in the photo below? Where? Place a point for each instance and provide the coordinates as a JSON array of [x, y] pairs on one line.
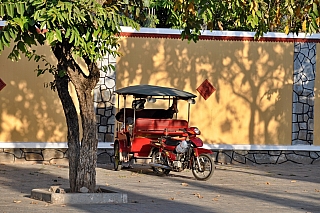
[[233, 188]]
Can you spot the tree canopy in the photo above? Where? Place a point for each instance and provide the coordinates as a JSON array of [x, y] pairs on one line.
[[260, 16], [86, 25]]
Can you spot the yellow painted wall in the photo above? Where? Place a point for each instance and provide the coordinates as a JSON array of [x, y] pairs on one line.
[[252, 104], [253, 101], [29, 112]]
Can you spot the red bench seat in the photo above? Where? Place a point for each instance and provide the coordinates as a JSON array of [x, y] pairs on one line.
[[146, 129]]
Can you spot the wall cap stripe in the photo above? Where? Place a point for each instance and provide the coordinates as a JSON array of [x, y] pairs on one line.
[[262, 147], [46, 145], [219, 35]]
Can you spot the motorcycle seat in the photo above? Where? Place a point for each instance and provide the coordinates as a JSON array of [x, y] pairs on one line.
[[172, 142]]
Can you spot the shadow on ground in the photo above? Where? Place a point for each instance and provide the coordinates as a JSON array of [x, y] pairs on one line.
[[232, 188]]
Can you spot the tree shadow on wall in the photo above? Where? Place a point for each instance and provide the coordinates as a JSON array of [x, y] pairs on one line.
[[29, 111], [252, 81]]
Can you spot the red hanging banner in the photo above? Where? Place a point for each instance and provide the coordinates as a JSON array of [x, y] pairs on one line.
[[206, 89], [2, 84]]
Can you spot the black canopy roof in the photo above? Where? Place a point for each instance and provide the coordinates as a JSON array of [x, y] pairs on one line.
[[151, 90]]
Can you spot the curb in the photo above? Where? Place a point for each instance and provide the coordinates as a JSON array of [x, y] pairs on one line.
[[106, 196]]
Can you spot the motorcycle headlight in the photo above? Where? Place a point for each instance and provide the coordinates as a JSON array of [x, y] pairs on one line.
[[193, 131], [197, 131]]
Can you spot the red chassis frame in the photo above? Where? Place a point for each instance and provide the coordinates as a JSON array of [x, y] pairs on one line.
[[138, 141]]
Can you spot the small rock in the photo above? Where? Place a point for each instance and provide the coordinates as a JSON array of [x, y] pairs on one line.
[[56, 189], [60, 190], [84, 189], [53, 189]]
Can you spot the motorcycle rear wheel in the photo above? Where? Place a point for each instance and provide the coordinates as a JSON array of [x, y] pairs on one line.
[[160, 158], [206, 167]]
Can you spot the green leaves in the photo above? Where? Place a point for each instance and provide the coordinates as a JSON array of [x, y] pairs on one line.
[[9, 8], [2, 10], [253, 20], [5, 38], [62, 73], [258, 16], [88, 27], [58, 35], [21, 7], [22, 22], [50, 36]]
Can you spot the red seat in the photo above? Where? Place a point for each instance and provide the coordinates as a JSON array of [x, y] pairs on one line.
[[158, 126], [146, 129]]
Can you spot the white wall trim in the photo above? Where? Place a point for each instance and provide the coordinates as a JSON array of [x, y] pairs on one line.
[[49, 145], [262, 147], [109, 145], [220, 33], [3, 23]]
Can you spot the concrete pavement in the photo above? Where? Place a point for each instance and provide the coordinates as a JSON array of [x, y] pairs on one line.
[[233, 188]]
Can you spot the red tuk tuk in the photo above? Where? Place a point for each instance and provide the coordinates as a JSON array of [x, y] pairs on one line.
[[156, 134]]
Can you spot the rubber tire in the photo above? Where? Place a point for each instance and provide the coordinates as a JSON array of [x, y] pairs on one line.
[[117, 157], [207, 163], [162, 160]]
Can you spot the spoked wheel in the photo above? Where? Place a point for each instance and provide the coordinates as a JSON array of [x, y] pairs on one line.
[[117, 157], [161, 159], [205, 171]]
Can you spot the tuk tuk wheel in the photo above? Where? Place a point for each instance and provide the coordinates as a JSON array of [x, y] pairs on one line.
[[117, 157]]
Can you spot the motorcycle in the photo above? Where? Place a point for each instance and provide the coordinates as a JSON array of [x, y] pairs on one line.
[[180, 153]]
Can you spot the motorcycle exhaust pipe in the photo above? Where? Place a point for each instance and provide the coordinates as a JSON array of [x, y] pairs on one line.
[[159, 165]]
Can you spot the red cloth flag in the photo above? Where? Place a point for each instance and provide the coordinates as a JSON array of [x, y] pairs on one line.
[[206, 89], [2, 84]]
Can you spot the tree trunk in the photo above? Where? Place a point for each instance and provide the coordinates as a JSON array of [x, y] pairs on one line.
[[73, 128], [83, 157], [86, 175], [86, 171]]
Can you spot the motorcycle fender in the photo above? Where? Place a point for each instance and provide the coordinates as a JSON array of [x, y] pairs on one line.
[[204, 151], [196, 141]]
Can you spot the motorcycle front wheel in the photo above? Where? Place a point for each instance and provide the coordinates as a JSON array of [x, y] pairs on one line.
[[117, 157], [205, 171], [160, 158]]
